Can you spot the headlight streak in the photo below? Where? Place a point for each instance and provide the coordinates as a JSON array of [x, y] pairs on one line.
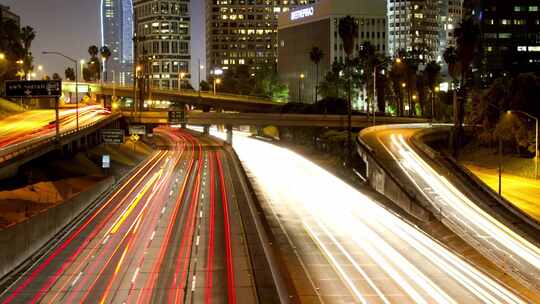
[[496, 234], [360, 219]]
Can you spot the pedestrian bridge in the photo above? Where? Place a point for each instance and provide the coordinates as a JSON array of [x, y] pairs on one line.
[[230, 102]]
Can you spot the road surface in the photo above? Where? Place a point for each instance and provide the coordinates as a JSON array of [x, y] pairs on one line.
[[491, 237], [341, 246], [30, 125], [169, 233]]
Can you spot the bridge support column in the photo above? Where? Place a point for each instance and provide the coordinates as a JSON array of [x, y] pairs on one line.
[[183, 125], [206, 130], [229, 134]]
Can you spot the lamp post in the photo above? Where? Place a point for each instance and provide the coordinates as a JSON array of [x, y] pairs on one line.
[[216, 82], [435, 91], [76, 83], [182, 75], [201, 67], [536, 140], [300, 82]]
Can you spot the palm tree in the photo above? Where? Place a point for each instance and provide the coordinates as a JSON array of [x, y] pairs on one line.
[[70, 74], [105, 54], [93, 64], [316, 55], [28, 34], [431, 75], [369, 60], [348, 32]]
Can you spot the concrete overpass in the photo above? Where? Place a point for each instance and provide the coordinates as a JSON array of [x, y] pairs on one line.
[[267, 119], [16, 155], [229, 102]]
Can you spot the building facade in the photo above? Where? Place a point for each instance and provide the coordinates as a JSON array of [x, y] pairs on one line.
[[450, 16], [162, 41], [317, 25], [413, 25], [243, 32], [510, 37], [117, 35], [7, 14]]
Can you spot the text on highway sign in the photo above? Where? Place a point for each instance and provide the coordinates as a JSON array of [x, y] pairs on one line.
[[34, 88]]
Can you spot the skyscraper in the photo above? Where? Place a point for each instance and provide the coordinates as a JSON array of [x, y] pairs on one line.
[[117, 35], [413, 26], [450, 16], [162, 41], [243, 32]]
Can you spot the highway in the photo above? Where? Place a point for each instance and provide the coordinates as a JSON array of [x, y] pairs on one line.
[[341, 246], [459, 211], [36, 124], [169, 233]]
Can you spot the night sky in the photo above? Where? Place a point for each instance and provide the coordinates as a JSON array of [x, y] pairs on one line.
[[70, 26]]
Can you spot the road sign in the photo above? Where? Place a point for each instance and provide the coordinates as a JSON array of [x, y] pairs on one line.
[[137, 129], [34, 88], [177, 117], [106, 161], [112, 136], [134, 137]]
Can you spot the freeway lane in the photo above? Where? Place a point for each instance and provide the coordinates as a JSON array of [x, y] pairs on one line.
[[16, 129], [341, 246], [491, 237], [167, 234]]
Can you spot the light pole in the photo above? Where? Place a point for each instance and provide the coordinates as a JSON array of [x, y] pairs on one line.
[[375, 97], [216, 82], [435, 91], [182, 75], [82, 68], [76, 83], [300, 82], [201, 67], [40, 69], [536, 140]]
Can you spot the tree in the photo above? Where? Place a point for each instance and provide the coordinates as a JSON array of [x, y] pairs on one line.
[[204, 86], [348, 32], [93, 51], [316, 55], [56, 76], [27, 37], [70, 74], [369, 60], [431, 76], [105, 54], [467, 40]]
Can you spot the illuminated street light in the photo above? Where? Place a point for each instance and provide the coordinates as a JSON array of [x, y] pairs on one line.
[[2, 56], [403, 84], [414, 97], [216, 82], [398, 60], [300, 83], [182, 75]]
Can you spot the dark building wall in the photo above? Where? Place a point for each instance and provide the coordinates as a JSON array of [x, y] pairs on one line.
[[510, 36], [295, 43]]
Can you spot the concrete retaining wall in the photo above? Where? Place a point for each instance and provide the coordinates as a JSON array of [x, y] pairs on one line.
[[383, 182], [21, 241]]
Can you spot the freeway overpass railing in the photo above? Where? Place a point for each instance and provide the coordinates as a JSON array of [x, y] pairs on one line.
[[50, 139]]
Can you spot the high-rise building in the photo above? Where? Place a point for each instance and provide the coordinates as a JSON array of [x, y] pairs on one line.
[[243, 32], [7, 14], [413, 26], [162, 41], [510, 36], [117, 35], [317, 25], [450, 16]]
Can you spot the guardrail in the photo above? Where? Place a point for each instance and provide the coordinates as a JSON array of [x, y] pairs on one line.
[[34, 144]]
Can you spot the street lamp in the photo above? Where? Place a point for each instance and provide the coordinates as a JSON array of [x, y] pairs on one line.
[[182, 75], [201, 68], [216, 82], [300, 82], [536, 140], [76, 83], [82, 68], [2, 56], [435, 91]]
